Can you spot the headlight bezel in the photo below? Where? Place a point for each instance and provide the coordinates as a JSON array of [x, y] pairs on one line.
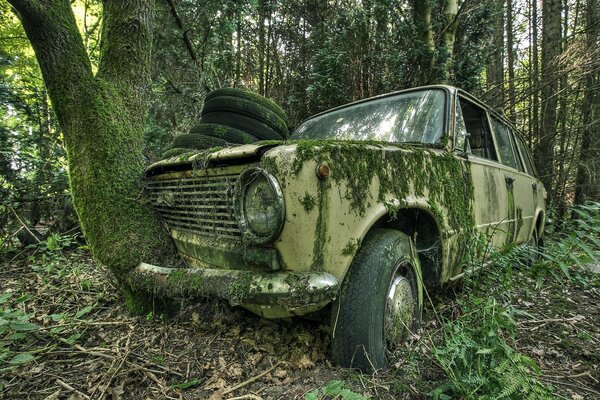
[[239, 198]]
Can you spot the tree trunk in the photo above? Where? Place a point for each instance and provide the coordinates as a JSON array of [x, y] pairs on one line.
[[588, 172], [422, 20], [510, 52], [447, 62], [261, 46], [102, 118], [551, 50], [495, 67]]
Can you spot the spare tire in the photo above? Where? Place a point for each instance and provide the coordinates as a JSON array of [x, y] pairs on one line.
[[248, 108], [248, 95], [174, 151], [197, 142], [222, 131], [239, 122]]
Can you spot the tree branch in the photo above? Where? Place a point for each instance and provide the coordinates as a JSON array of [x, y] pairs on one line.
[[185, 36]]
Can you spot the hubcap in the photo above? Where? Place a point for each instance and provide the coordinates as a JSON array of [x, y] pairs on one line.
[[399, 310]]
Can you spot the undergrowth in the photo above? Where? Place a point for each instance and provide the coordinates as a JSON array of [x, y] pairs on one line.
[[477, 352]]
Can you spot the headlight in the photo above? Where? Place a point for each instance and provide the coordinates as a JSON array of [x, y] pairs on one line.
[[259, 206]]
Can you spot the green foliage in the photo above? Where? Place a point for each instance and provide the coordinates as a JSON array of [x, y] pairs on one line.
[[33, 177], [478, 360], [576, 244], [15, 328], [334, 390]]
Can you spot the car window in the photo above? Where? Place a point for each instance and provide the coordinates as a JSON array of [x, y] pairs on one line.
[[460, 130], [475, 119], [416, 116], [505, 144], [529, 168]]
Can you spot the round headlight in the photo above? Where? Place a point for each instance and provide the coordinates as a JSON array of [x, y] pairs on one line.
[[259, 206]]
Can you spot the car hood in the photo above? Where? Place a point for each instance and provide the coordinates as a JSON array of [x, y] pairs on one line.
[[230, 155]]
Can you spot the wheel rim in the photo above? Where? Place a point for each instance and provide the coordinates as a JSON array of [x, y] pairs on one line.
[[399, 310]]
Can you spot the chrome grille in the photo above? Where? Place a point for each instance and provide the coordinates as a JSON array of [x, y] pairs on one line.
[[199, 204]]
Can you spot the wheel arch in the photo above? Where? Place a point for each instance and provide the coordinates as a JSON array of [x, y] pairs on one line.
[[417, 221]]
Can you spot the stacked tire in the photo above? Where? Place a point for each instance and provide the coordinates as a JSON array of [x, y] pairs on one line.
[[232, 117]]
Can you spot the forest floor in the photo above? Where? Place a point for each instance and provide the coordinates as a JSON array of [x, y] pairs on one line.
[[65, 333]]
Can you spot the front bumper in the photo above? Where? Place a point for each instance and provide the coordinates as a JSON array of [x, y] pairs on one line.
[[268, 294]]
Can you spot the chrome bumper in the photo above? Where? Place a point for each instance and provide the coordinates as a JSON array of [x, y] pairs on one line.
[[268, 294]]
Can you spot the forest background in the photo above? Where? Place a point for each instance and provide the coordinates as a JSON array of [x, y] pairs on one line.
[[538, 61]]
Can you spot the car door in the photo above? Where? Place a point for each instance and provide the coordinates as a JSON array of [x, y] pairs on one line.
[[531, 182], [491, 197], [521, 204]]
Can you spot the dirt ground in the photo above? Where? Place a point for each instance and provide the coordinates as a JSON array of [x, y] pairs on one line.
[[86, 345]]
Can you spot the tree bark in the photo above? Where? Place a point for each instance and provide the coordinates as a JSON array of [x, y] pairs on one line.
[[551, 50], [588, 172], [422, 19], [102, 118], [510, 52], [449, 37], [495, 67]]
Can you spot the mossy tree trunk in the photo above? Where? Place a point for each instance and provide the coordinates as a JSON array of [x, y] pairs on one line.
[[102, 117]]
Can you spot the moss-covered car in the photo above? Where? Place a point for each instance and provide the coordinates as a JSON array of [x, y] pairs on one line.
[[360, 208]]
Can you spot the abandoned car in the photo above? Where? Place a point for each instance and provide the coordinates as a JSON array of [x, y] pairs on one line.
[[354, 214]]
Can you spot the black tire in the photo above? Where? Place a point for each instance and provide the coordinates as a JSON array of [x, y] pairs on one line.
[[533, 248], [255, 128], [362, 318], [248, 95], [197, 142], [247, 108], [221, 131], [174, 151]]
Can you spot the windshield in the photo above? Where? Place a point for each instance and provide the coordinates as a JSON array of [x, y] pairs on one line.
[[408, 117]]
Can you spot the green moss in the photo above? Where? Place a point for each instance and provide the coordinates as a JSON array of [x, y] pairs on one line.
[[321, 226], [308, 202], [401, 170], [351, 247], [270, 165]]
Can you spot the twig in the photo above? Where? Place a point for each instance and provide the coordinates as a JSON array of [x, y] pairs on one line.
[[71, 388], [576, 318], [123, 359], [246, 396], [579, 385], [249, 381], [24, 225]]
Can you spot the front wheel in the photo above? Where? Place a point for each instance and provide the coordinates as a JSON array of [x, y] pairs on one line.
[[380, 301]]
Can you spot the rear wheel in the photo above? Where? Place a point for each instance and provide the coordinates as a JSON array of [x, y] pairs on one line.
[[533, 247], [380, 302]]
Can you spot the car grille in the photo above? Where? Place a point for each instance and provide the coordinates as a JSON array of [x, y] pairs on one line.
[[198, 204]]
